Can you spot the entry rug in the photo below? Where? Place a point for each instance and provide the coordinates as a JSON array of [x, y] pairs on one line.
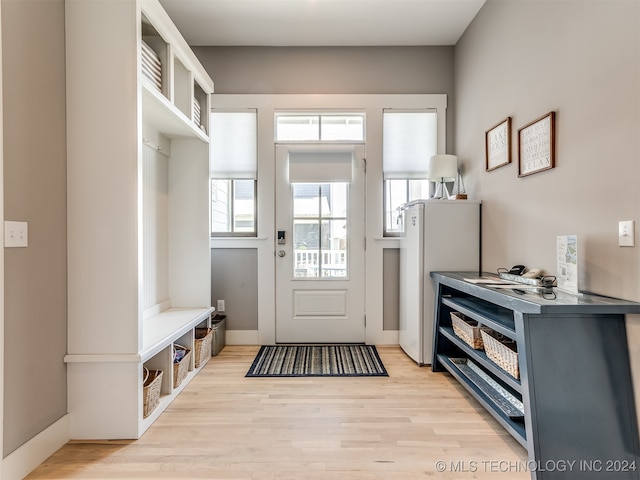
[[317, 361]]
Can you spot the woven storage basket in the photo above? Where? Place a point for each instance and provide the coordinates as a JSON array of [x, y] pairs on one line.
[[151, 391], [502, 351], [181, 368], [467, 330], [202, 346]]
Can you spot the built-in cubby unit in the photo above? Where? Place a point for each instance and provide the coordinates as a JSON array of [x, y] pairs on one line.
[[138, 218], [571, 402]]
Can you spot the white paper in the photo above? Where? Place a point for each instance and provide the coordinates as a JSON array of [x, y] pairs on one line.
[[487, 280], [567, 263]]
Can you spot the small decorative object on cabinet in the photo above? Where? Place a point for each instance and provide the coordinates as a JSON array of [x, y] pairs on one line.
[[442, 168], [569, 400], [138, 218]]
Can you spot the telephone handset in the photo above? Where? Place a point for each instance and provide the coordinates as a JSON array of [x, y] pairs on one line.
[[517, 270]]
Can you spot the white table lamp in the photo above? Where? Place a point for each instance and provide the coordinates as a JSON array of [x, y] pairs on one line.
[[442, 168]]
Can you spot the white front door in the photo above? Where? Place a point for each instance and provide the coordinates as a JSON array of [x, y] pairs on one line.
[[319, 251]]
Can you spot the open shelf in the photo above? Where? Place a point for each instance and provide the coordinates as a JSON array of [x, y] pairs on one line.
[[515, 428], [161, 114], [480, 357], [498, 318]]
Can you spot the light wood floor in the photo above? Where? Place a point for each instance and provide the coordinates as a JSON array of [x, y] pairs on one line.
[[226, 426]]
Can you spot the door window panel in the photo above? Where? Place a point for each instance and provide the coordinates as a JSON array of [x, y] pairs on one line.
[[320, 230]]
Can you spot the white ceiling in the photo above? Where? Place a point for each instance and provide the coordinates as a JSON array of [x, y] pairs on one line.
[[322, 22]]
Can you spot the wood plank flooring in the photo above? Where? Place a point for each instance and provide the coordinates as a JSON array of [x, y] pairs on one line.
[[226, 426]]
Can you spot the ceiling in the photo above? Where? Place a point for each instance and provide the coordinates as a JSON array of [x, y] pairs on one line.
[[321, 22]]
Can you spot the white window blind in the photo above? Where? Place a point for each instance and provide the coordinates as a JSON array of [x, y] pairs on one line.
[[234, 144], [319, 165], [409, 139]]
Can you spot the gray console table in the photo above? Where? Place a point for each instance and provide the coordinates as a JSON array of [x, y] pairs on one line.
[[574, 388]]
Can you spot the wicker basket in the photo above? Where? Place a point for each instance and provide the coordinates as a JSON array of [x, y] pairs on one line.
[[151, 390], [202, 346], [181, 368], [467, 330], [502, 351]]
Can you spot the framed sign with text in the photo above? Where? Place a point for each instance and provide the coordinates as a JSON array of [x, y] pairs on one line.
[[497, 145], [536, 146]]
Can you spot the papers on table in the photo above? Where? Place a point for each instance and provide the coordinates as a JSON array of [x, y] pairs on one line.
[[489, 281]]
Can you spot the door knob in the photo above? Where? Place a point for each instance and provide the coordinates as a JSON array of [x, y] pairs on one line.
[[281, 253]]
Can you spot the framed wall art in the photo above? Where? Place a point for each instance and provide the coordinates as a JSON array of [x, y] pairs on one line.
[[497, 145], [536, 145]]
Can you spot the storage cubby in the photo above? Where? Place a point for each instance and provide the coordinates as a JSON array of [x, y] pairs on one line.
[[162, 361], [183, 88], [573, 400], [154, 59], [139, 256], [200, 106]]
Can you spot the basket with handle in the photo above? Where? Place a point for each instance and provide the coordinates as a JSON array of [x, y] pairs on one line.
[[151, 385], [502, 351], [202, 346], [181, 360], [467, 330]]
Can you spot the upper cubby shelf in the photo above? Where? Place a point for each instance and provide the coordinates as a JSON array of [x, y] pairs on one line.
[[165, 117], [175, 86]]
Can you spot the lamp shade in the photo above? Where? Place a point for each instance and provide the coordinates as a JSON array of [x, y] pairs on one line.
[[442, 167]]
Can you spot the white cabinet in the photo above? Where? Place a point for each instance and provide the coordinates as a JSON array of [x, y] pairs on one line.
[[138, 209]]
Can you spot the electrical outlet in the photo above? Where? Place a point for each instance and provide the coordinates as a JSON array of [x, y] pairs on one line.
[[626, 235], [16, 234], [221, 305]]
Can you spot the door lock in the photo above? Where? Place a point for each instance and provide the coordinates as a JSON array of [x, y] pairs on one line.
[[281, 253]]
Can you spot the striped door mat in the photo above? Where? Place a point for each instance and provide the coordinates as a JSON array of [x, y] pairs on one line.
[[317, 361]]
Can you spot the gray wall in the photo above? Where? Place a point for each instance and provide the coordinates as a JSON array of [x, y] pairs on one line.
[[323, 70], [581, 60], [234, 279], [391, 289], [35, 386]]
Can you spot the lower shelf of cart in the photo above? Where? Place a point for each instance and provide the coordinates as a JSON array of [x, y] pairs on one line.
[[514, 427]]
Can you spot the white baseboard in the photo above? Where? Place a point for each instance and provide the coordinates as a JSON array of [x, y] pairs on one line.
[[242, 337], [19, 463]]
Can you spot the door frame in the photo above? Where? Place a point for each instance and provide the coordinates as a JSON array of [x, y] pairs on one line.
[[352, 287]]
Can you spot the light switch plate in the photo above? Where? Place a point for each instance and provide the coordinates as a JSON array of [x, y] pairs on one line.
[[16, 234], [626, 234]]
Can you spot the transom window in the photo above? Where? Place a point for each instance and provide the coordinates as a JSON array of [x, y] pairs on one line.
[[329, 127]]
